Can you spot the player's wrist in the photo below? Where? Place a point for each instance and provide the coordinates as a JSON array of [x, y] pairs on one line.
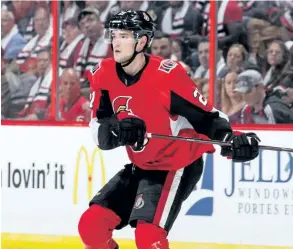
[[123, 115]]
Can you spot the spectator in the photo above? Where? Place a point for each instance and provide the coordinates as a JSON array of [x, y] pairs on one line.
[[73, 40], [205, 90], [177, 49], [156, 10], [42, 24], [70, 10], [232, 103], [264, 108], [269, 22], [94, 48], [5, 91], [38, 98], [153, 10], [230, 29], [287, 20], [20, 86], [237, 58], [199, 5], [203, 86], [203, 52], [180, 18], [103, 7], [192, 60], [279, 68], [11, 40], [135, 5], [289, 45], [256, 9], [24, 12], [203, 57], [73, 106], [161, 45], [187, 69], [289, 97], [283, 17]]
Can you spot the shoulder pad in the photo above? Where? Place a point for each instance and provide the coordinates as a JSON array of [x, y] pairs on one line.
[[167, 65]]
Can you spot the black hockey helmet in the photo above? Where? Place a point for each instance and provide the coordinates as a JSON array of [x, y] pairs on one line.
[[140, 22], [137, 21]]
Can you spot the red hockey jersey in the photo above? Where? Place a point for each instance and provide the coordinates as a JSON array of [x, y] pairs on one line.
[[169, 103]]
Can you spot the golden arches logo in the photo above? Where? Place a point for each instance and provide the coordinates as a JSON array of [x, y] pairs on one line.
[[90, 165]]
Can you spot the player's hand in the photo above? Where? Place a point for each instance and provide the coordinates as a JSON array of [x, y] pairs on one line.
[[244, 147], [132, 132]]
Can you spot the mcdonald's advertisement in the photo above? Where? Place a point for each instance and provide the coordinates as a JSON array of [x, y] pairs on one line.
[[59, 173], [49, 176]]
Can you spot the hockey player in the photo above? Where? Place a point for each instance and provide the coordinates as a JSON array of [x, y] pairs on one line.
[[134, 93]]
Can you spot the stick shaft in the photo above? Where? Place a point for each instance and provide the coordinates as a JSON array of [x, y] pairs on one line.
[[216, 142]]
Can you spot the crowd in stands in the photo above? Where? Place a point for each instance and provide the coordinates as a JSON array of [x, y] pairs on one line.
[[254, 56]]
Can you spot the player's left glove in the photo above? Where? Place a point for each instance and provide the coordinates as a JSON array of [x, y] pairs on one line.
[[244, 147]]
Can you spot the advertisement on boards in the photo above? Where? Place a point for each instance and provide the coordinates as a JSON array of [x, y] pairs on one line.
[[59, 175], [91, 160], [236, 202], [249, 203]]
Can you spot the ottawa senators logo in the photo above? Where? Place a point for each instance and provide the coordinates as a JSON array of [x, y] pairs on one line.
[[121, 104]]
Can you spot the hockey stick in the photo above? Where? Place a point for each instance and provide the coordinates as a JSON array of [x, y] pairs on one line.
[[216, 142]]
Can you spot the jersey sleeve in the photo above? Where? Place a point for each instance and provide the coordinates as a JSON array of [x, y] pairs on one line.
[[187, 101], [101, 115]]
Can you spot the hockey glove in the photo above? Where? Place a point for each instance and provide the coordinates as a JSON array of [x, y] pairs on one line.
[[244, 147], [130, 130]]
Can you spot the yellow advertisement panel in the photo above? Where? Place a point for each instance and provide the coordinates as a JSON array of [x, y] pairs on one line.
[[90, 160]]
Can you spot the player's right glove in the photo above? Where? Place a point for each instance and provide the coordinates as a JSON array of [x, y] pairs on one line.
[[130, 131], [244, 147]]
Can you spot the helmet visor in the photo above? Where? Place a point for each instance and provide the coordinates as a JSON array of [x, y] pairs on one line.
[[119, 35]]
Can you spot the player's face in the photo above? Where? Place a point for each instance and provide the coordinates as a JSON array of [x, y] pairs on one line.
[[123, 45]]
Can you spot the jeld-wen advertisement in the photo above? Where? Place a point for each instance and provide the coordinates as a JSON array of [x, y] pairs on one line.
[[49, 174]]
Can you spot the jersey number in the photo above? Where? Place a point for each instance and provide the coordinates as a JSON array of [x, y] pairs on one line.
[[92, 99], [201, 98]]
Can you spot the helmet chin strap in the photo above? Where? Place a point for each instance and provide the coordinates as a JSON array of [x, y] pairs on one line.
[[135, 53]]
